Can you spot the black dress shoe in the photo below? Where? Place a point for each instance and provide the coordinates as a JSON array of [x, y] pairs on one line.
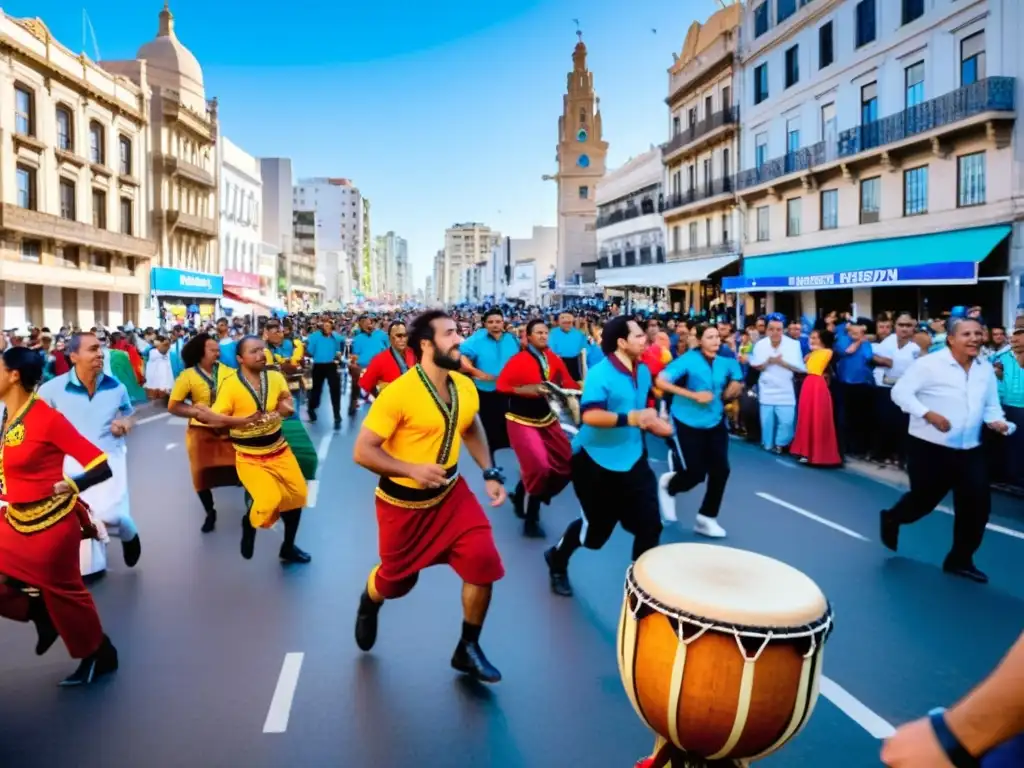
[[210, 523], [519, 501], [532, 529], [337, 422], [469, 659], [889, 530], [560, 584], [248, 537], [967, 571], [132, 551], [103, 662], [92, 578], [366, 623], [312, 417], [293, 554], [46, 633]]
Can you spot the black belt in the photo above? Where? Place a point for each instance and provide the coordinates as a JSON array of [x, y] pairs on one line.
[[259, 441], [417, 495]]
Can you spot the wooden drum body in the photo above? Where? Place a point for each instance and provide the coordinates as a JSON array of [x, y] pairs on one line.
[[720, 649]]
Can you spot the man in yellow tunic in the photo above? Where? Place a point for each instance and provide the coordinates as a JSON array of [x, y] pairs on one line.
[[252, 404]]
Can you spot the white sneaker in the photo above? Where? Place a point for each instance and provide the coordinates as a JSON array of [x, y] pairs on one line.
[[665, 500], [708, 526]]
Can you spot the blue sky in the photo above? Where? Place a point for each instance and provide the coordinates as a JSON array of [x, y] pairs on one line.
[[440, 112]]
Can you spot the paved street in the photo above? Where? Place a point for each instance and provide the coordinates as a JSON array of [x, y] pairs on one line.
[[216, 651]]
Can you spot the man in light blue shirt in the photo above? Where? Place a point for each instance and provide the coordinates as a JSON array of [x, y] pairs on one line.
[[324, 347], [99, 407], [367, 342], [568, 343], [227, 344], [484, 354]]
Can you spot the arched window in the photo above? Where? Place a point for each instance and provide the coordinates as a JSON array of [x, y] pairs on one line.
[[97, 143]]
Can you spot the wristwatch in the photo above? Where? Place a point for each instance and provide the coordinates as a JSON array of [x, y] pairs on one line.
[[494, 474], [955, 751]]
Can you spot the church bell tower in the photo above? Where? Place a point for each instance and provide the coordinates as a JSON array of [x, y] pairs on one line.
[[581, 157]]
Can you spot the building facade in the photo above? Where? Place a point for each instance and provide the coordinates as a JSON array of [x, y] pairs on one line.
[[881, 156], [75, 245], [278, 219], [184, 207], [581, 154], [305, 288], [241, 229], [702, 221], [465, 246], [340, 218]]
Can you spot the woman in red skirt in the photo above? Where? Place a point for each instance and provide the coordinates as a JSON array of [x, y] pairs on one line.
[[42, 527], [815, 442]]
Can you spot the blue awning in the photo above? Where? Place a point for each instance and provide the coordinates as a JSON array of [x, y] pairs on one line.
[[939, 258]]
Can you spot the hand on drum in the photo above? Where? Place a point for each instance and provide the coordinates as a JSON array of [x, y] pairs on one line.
[[915, 746]]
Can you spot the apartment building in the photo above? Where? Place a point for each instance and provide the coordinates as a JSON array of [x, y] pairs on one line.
[[880, 156], [339, 210], [75, 241], [305, 286], [465, 246], [241, 230]]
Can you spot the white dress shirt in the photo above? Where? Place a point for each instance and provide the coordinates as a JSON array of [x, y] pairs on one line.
[[775, 385], [967, 399], [901, 357]]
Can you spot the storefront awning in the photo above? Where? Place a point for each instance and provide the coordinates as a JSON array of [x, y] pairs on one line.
[[663, 275], [938, 258], [238, 298]]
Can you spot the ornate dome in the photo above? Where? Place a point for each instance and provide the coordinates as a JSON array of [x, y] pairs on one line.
[[172, 65]]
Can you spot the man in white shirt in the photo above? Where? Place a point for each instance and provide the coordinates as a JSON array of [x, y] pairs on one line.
[[949, 395], [777, 357], [892, 356]]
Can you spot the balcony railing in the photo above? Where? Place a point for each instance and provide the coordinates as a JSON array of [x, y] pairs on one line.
[[725, 248], [688, 135], [629, 212], [632, 257], [704, 191], [993, 94]]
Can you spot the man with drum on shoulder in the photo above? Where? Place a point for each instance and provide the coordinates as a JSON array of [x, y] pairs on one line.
[[610, 474]]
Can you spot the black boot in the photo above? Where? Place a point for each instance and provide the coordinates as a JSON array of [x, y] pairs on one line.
[[248, 537], [206, 497], [103, 662], [519, 500], [366, 622], [889, 530], [289, 552], [46, 633], [531, 527], [469, 659], [132, 551], [558, 574]]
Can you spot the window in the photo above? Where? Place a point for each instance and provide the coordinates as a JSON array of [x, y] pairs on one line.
[[725, 164], [691, 177], [912, 9], [785, 9], [870, 199], [761, 19], [691, 117], [826, 52], [830, 209], [693, 235], [126, 216], [914, 84], [24, 111], [96, 153], [99, 209], [707, 231], [124, 145], [708, 108], [584, 193], [676, 127], [762, 224], [761, 83], [792, 65], [31, 250], [972, 59], [707, 175], [793, 210], [915, 191], [760, 150], [26, 187], [970, 180], [726, 97], [67, 199], [676, 237], [792, 135], [865, 22], [64, 129], [725, 227], [869, 103]]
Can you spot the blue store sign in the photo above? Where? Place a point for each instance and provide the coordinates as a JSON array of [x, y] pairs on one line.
[[178, 282], [951, 273]]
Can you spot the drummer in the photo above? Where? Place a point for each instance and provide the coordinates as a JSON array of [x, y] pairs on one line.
[[484, 355], [540, 444], [610, 474]]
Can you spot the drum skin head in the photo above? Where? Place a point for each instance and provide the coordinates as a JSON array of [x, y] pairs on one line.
[[728, 585]]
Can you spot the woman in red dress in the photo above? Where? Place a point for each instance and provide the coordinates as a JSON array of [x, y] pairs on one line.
[[815, 442], [42, 526]]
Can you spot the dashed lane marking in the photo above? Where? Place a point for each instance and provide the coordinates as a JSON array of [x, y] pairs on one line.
[[854, 709], [991, 526], [284, 694], [811, 516], [325, 446], [156, 417]]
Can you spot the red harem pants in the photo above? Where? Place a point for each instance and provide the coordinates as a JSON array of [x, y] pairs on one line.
[[455, 532], [49, 561], [545, 458]]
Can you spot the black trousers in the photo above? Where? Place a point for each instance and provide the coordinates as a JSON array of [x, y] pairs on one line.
[[855, 408], [935, 470], [325, 372], [704, 455], [889, 437]]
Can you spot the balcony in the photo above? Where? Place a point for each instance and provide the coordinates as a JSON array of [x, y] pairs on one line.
[[175, 166], [695, 137], [624, 214], [726, 248], [709, 62], [45, 226], [987, 104], [672, 205], [200, 225]]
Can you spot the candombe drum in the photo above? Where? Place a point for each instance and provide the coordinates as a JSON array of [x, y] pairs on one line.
[[720, 652], [565, 404]]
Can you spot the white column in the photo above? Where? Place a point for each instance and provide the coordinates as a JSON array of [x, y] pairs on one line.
[[14, 305], [862, 298], [53, 307], [808, 303], [86, 310], [115, 304]]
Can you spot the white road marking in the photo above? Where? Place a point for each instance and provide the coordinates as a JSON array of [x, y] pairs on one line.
[[312, 491], [156, 417], [811, 516], [325, 445], [991, 526], [785, 463], [871, 722], [170, 446], [284, 694]]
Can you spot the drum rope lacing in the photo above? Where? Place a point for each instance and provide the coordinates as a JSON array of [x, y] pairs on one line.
[[822, 626]]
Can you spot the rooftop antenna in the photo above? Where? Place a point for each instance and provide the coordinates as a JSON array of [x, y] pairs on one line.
[[579, 32], [87, 29]]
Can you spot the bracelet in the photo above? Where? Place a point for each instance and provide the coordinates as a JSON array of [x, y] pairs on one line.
[[622, 420], [955, 751], [494, 474]]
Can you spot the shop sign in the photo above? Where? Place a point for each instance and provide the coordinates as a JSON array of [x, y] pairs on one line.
[[235, 279], [179, 282], [949, 273]]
